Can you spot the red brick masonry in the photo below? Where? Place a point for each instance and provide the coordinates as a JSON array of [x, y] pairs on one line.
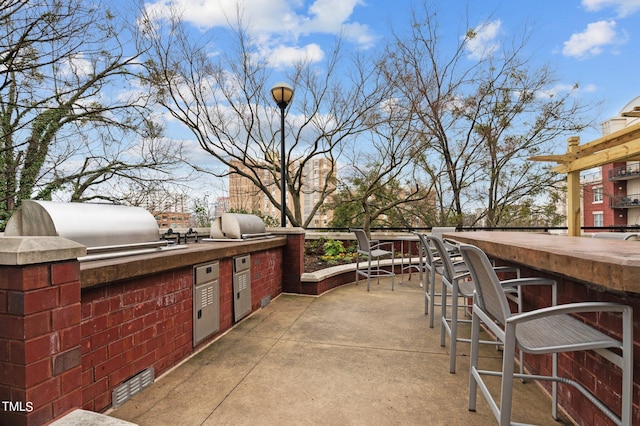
[[40, 361], [65, 345], [135, 324]]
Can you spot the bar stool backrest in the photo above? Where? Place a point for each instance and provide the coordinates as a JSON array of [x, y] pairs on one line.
[[489, 293]]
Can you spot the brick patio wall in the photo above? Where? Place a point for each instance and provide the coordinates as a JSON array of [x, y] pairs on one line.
[[136, 324], [40, 362], [63, 347], [266, 276], [132, 325], [292, 258]]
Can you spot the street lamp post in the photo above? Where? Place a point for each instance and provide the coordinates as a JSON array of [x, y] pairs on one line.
[[282, 94]]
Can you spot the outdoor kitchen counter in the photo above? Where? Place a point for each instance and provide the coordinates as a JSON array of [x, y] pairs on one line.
[[99, 272], [611, 264]]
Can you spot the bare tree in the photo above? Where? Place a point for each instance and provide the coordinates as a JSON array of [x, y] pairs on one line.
[[381, 187], [68, 104], [479, 117], [225, 102]]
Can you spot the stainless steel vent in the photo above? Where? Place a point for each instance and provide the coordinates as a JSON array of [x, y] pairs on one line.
[[132, 386], [265, 301]]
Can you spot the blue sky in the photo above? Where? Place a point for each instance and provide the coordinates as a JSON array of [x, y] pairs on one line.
[[592, 43]]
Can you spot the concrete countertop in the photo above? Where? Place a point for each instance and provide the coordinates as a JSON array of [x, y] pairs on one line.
[[100, 272], [612, 264]]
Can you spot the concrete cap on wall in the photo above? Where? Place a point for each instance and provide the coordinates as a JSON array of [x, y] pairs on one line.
[[32, 250]]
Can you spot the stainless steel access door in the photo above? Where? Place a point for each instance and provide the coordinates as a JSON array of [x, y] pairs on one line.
[[241, 286], [206, 301]]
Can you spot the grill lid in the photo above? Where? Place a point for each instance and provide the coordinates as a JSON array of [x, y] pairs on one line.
[[93, 225], [238, 226]]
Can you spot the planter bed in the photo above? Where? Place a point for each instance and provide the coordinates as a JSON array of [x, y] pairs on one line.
[[316, 283]]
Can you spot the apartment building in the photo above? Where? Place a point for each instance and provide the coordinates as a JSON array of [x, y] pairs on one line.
[[170, 210], [245, 195], [611, 194], [222, 205]]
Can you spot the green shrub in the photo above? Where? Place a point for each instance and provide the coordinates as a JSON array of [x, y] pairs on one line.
[[335, 252], [333, 248]]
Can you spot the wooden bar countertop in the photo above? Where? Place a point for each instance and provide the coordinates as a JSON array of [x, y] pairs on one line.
[[612, 264]]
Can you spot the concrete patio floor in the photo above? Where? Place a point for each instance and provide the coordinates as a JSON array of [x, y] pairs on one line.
[[348, 357]]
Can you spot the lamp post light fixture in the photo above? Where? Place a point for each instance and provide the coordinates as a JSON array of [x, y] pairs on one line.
[[282, 94]]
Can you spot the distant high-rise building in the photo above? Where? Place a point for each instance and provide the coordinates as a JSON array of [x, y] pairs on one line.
[[245, 195], [222, 205], [171, 210]]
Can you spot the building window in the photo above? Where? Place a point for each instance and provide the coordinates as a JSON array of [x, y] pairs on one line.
[[597, 194], [598, 219]]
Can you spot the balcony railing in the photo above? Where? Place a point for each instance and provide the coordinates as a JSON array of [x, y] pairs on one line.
[[625, 172], [628, 201]]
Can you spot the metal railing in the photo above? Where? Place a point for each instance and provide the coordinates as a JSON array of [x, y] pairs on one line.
[[625, 201], [624, 172], [616, 228]]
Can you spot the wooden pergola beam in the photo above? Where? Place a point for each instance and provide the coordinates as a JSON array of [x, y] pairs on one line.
[[623, 152], [613, 140], [622, 145]]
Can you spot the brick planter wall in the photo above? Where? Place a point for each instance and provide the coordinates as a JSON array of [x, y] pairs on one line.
[[319, 286], [292, 258]]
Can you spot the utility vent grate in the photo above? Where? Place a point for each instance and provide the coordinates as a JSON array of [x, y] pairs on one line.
[[131, 387], [265, 301]]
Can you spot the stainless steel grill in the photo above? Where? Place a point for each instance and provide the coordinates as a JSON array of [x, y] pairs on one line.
[[107, 230], [237, 226]]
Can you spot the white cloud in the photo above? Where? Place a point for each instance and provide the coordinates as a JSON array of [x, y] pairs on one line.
[[481, 41], [592, 40], [278, 18], [285, 56], [562, 88], [623, 7], [360, 34], [206, 14], [330, 15], [76, 65]]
